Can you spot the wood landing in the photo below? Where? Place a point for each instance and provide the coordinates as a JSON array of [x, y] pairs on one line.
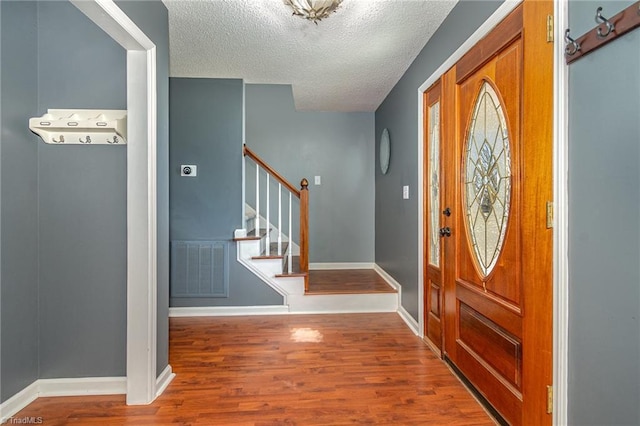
[[347, 281], [288, 370], [340, 281]]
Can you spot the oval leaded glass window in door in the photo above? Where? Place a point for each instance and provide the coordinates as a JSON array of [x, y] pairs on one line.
[[487, 174], [434, 183]]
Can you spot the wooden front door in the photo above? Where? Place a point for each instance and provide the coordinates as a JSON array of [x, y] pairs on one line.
[[496, 180]]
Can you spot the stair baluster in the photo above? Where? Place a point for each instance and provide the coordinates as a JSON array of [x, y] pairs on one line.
[[257, 219], [268, 224], [290, 260], [279, 219]]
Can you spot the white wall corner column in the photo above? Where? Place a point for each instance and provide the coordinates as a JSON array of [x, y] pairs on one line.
[[141, 195], [141, 229], [244, 159]]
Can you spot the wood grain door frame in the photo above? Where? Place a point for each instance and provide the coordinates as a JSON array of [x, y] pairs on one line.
[[538, 137]]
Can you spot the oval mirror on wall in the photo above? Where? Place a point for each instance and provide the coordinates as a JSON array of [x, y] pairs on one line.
[[385, 151]]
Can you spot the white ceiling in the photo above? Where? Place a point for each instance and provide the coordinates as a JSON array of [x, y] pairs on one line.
[[348, 62]]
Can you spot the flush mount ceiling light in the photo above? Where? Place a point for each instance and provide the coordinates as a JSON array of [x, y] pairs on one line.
[[313, 10]]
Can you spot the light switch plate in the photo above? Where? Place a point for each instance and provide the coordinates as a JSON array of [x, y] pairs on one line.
[[317, 180], [405, 192]]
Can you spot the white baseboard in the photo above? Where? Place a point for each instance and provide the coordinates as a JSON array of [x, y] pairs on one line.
[[18, 401], [388, 278], [82, 386], [341, 265], [409, 320], [406, 316], [62, 387], [225, 311], [164, 379]]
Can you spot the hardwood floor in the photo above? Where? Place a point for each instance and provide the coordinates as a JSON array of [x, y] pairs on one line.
[[288, 370], [347, 282]]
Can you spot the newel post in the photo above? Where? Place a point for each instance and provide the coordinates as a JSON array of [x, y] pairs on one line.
[[304, 228]]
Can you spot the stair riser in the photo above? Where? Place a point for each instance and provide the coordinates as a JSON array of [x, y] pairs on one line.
[[249, 249], [269, 267], [292, 285], [343, 303]]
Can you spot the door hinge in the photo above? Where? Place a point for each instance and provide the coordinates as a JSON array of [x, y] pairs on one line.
[[549, 214], [549, 399], [549, 28]]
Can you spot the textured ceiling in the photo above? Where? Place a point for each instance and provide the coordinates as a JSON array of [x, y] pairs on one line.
[[348, 62]]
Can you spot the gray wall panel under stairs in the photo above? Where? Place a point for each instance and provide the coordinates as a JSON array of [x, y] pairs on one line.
[[206, 130]]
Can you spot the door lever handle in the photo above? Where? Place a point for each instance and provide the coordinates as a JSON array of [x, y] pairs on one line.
[[445, 232]]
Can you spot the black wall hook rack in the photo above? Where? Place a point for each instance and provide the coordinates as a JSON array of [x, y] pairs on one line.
[[606, 31]]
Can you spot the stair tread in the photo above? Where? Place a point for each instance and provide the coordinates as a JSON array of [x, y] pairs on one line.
[[251, 235], [248, 238], [357, 281], [273, 252], [291, 275]]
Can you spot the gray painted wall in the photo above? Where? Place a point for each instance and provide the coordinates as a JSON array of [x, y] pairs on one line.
[[83, 197], [396, 226], [64, 207], [604, 227], [153, 20], [206, 130], [19, 211], [82, 203], [338, 147]]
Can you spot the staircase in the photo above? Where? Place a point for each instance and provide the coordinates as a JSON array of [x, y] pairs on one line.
[[273, 270], [267, 247]]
